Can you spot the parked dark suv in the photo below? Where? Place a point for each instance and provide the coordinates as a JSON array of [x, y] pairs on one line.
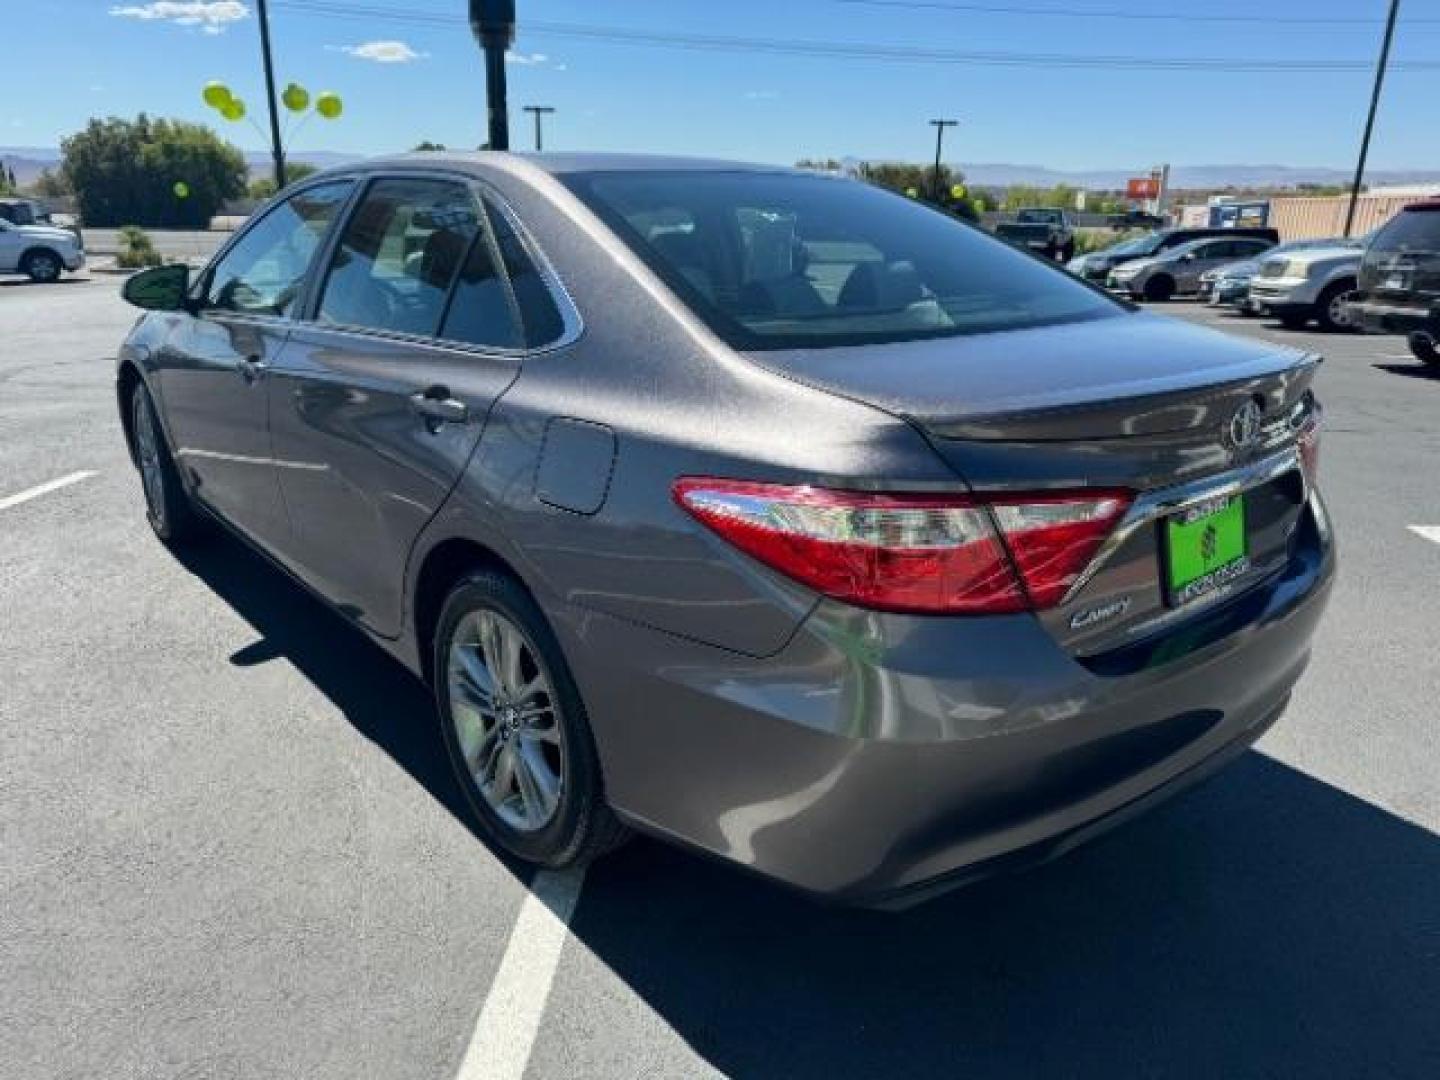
[[1400, 280]]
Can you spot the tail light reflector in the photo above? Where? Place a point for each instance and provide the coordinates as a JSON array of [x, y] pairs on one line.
[[910, 552]]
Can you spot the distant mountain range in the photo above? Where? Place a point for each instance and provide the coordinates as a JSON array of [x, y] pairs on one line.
[[28, 161]]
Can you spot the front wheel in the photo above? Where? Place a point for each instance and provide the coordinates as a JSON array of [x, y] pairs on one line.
[[43, 267], [172, 516], [515, 727], [1422, 347], [1332, 310]]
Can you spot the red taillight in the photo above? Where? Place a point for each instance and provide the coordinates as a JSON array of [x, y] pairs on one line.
[[920, 553]]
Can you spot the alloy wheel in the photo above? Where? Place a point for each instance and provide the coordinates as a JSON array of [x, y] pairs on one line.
[[506, 720], [147, 450], [1338, 311]]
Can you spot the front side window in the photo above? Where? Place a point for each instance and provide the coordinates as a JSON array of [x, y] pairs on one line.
[[264, 272], [401, 251]]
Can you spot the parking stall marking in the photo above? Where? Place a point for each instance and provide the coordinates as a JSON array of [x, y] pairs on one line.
[[1429, 532], [510, 1018], [43, 489]]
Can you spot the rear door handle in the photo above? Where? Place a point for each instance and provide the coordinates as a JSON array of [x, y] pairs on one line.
[[437, 407]]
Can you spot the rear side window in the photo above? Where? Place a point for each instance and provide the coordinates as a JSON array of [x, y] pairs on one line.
[[785, 260], [264, 272], [401, 251], [1410, 230]]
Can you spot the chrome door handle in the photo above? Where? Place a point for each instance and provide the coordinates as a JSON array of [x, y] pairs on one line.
[[251, 367], [437, 407]]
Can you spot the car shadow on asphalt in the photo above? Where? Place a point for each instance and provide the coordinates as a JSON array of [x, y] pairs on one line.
[[1416, 370], [1264, 924]]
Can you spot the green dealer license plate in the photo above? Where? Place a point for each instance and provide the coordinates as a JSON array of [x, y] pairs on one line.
[[1205, 548]]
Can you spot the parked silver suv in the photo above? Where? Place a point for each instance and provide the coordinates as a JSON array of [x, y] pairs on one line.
[[1178, 270]]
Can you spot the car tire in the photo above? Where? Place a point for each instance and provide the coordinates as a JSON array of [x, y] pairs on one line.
[[527, 764], [172, 516], [1294, 320], [1160, 288], [1329, 308], [42, 266], [1422, 347]]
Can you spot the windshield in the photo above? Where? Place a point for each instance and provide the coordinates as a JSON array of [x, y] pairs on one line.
[[779, 260], [1410, 230], [1038, 217]]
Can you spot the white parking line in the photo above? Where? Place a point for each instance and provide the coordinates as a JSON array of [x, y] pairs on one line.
[[510, 1019], [1429, 532], [43, 489]]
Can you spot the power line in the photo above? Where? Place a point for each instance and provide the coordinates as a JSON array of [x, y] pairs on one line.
[[853, 51], [1125, 14]]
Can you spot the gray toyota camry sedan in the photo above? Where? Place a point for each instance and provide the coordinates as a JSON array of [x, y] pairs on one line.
[[765, 512]]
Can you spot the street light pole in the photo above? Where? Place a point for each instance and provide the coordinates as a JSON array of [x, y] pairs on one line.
[[277, 151], [493, 22], [539, 111], [1370, 119], [940, 126]]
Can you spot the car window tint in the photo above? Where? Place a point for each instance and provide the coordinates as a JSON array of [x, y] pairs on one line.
[[481, 312], [399, 254], [540, 318], [1410, 230], [780, 260], [264, 272]]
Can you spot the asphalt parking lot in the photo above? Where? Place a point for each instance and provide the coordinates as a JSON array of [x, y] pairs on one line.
[[232, 847]]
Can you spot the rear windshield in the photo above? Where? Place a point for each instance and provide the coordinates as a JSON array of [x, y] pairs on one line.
[[1410, 230], [781, 260]]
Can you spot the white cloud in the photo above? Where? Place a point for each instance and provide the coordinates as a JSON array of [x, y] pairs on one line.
[[526, 59], [211, 16], [761, 95], [384, 52]]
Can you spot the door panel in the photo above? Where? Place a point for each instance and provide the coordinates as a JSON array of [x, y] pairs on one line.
[[362, 470], [212, 377], [373, 419]]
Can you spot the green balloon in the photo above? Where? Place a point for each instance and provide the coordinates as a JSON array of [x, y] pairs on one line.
[[233, 110], [957, 191], [181, 189], [216, 95], [329, 105], [296, 98]]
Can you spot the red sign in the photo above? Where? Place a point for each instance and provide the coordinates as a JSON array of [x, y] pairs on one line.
[[1142, 187]]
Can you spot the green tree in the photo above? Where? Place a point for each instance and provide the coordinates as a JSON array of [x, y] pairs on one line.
[[7, 180], [428, 147], [126, 172], [51, 185], [263, 187]]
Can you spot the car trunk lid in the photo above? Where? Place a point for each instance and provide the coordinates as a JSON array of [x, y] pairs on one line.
[[1136, 401]]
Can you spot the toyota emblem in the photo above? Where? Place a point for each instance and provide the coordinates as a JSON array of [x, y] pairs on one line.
[[1244, 428]]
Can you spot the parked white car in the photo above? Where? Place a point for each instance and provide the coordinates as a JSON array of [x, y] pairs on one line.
[[1314, 284], [41, 252]]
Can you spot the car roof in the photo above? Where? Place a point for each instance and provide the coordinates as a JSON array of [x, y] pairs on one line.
[[559, 164]]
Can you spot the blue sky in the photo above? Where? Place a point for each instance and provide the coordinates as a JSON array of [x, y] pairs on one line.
[[95, 57]]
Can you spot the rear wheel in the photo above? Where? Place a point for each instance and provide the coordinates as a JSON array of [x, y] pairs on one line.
[[1422, 347], [515, 727], [1332, 309], [42, 267], [1160, 288], [167, 506]]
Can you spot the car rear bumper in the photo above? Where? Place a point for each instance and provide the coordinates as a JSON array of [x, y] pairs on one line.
[[1378, 318], [877, 757]]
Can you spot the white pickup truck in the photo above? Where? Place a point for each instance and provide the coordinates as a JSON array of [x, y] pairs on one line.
[[30, 245]]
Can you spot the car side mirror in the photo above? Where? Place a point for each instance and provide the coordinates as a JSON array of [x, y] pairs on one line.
[[161, 288]]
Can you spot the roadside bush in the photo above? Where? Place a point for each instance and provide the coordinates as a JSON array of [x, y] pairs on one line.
[[136, 250], [1088, 240]]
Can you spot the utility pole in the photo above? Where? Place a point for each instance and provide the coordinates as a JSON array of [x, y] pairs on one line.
[[493, 22], [1370, 119], [276, 150], [539, 111], [940, 126]]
